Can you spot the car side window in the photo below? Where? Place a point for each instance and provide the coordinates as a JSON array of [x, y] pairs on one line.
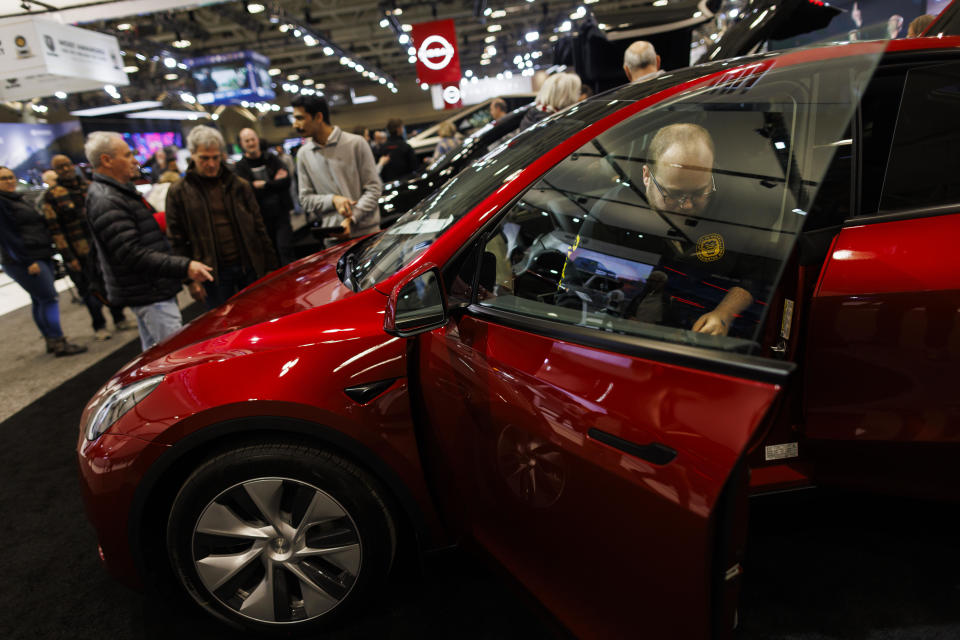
[[925, 155], [675, 224]]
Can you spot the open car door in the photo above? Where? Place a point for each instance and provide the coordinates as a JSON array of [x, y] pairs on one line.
[[587, 408]]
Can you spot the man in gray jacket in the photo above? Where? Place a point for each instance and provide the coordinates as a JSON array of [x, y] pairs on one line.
[[337, 175]]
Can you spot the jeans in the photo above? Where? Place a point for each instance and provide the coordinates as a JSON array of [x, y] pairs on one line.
[[46, 300], [226, 282], [94, 305], [157, 321]]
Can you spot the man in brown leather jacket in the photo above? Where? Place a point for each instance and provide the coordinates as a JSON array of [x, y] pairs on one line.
[[214, 214]]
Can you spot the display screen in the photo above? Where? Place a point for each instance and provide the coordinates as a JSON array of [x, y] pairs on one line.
[[144, 145], [230, 78], [27, 148]]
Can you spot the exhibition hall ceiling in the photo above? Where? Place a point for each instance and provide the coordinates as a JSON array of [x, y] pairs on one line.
[[308, 38]]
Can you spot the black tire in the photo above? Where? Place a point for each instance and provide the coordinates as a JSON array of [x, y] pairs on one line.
[[299, 514]]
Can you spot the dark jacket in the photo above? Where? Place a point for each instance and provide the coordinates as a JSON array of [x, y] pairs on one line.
[[403, 159], [137, 262], [274, 198], [190, 227], [23, 234]]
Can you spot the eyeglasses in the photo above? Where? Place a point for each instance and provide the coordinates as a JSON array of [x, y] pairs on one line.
[[11, 177], [681, 199]]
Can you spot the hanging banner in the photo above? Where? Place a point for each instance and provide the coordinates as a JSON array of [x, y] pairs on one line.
[[40, 57], [437, 58]]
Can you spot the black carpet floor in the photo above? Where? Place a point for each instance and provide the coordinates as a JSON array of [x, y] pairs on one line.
[[820, 565]]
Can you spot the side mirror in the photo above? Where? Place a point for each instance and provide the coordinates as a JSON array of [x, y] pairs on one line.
[[417, 304]]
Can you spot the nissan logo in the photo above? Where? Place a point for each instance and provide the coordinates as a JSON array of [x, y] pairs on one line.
[[435, 52], [451, 95]]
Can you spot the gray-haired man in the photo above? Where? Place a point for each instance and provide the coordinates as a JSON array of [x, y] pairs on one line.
[[213, 217], [139, 269], [641, 62]]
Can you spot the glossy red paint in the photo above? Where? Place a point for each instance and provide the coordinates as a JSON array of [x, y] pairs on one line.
[[899, 256], [109, 468], [510, 413], [884, 347]]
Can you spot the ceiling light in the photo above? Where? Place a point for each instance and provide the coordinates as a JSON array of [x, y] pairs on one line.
[[382, 80], [116, 108], [284, 28], [485, 61], [579, 13], [412, 51], [328, 51], [181, 44], [61, 95], [494, 28], [170, 63], [398, 11], [321, 85], [141, 57], [310, 41], [254, 7], [660, 3], [490, 51], [412, 59], [131, 69], [498, 14], [532, 36], [297, 33], [406, 27], [404, 38], [307, 82], [188, 98], [168, 114], [293, 76], [499, 76], [182, 66], [275, 72], [553, 38], [384, 23], [124, 26], [565, 26], [490, 39], [424, 86], [171, 76], [487, 11]]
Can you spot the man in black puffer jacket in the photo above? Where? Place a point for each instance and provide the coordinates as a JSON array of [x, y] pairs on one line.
[[139, 269]]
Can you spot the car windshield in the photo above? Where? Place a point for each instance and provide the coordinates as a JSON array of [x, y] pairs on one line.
[[385, 254], [420, 227]]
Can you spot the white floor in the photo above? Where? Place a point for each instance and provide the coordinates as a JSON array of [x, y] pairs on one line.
[[12, 297]]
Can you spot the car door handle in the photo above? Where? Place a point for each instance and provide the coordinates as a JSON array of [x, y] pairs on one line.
[[654, 452]]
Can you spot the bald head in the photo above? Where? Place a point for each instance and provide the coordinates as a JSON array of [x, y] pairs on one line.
[[63, 167], [640, 59], [679, 172], [250, 143]]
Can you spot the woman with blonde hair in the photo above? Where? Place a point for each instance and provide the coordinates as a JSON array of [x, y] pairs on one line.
[[448, 141], [558, 92]]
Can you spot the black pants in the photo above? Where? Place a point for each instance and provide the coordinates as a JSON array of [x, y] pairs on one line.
[[94, 304], [281, 233], [226, 282]]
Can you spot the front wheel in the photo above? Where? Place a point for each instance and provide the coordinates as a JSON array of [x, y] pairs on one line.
[[279, 537]]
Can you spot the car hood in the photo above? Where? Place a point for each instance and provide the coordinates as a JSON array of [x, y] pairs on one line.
[[282, 299]]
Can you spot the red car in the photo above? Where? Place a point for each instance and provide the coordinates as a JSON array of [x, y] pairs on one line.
[[584, 353]]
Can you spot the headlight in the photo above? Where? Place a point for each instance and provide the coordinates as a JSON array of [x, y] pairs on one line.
[[112, 407]]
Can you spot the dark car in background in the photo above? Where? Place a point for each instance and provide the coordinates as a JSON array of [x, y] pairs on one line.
[[400, 196]]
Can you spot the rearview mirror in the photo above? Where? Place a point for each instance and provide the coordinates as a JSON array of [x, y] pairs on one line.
[[417, 304]]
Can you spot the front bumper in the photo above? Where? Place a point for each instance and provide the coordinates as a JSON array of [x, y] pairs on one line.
[[111, 469]]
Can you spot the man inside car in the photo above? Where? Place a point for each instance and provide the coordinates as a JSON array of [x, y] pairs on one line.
[[678, 178]]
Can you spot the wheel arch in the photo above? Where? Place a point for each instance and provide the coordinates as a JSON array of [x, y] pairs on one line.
[[158, 488]]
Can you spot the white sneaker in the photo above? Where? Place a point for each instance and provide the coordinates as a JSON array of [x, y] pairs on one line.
[[101, 334]]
